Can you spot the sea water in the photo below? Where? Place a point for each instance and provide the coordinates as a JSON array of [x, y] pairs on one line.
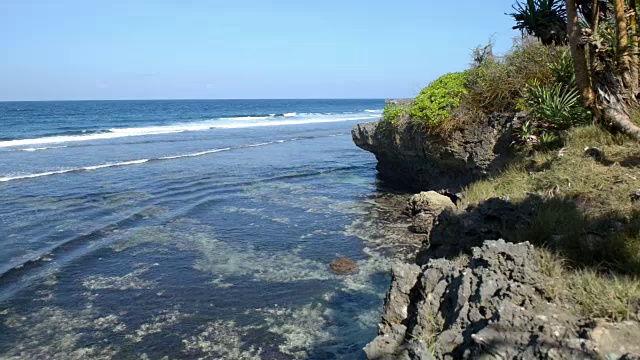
[[187, 229]]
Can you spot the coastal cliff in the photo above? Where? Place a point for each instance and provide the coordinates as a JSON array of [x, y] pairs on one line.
[[478, 287], [416, 159]]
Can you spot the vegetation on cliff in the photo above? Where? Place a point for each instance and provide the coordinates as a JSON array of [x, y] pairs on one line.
[[575, 76], [531, 77], [603, 38], [586, 214]]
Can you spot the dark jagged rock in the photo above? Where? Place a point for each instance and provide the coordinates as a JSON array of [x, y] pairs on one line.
[[415, 159], [458, 232], [489, 308]]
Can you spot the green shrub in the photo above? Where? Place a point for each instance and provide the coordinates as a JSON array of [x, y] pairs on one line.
[[434, 104], [558, 106], [562, 69], [499, 83], [394, 112]]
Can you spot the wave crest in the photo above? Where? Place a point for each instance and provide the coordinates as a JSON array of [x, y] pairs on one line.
[[219, 123]]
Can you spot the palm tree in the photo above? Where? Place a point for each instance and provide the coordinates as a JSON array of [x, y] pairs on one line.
[[583, 80], [608, 85], [544, 19]]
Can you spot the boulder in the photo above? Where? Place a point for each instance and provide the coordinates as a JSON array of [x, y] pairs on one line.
[[344, 266], [425, 208], [428, 202]]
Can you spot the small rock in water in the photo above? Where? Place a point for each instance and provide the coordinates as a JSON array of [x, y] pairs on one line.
[[344, 266]]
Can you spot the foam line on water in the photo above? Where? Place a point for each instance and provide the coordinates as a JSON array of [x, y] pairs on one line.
[[288, 122], [140, 161], [41, 148], [169, 129], [84, 168]]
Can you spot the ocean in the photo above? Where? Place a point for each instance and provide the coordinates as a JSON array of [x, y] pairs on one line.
[[188, 229]]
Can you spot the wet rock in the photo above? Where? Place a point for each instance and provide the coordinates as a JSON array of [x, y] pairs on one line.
[[344, 266], [491, 307]]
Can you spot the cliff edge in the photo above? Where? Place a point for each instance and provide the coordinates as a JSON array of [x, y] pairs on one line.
[[413, 158]]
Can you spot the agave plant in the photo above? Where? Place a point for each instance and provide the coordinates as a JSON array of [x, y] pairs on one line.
[[556, 106], [544, 19]]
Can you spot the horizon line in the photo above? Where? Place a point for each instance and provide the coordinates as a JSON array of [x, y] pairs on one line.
[[196, 99]]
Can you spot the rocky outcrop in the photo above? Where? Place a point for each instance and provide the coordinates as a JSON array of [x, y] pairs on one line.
[[425, 209], [489, 306], [415, 159], [454, 232]]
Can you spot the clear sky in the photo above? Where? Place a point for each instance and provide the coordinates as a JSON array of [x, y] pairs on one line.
[[201, 49]]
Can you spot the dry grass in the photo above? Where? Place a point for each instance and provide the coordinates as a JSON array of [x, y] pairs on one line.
[[584, 218], [570, 174], [591, 293]]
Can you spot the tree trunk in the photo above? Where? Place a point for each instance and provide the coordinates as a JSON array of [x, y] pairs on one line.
[[591, 56], [613, 99], [615, 111], [579, 56], [622, 51], [634, 46]]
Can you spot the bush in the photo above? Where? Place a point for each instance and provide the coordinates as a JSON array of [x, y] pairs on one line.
[[394, 112], [559, 107], [562, 69], [553, 109], [499, 83], [434, 104]]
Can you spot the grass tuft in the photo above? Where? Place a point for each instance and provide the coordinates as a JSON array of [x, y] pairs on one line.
[[585, 223], [593, 294]]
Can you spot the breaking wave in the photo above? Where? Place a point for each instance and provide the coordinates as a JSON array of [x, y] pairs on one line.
[[217, 123]]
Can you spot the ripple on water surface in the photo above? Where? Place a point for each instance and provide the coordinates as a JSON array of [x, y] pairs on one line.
[[200, 267]]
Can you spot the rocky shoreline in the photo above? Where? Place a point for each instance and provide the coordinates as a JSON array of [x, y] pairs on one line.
[[418, 160], [471, 294]]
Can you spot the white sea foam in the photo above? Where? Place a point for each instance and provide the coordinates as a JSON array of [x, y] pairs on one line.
[[108, 165], [31, 176], [41, 148], [287, 122], [193, 154], [132, 162], [249, 117], [85, 168], [178, 128], [373, 111]]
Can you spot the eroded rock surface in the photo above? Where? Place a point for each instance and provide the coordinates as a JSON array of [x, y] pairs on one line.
[[490, 306], [420, 160], [425, 208]]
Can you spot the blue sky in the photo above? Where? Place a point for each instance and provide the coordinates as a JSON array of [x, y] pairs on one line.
[[171, 49]]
